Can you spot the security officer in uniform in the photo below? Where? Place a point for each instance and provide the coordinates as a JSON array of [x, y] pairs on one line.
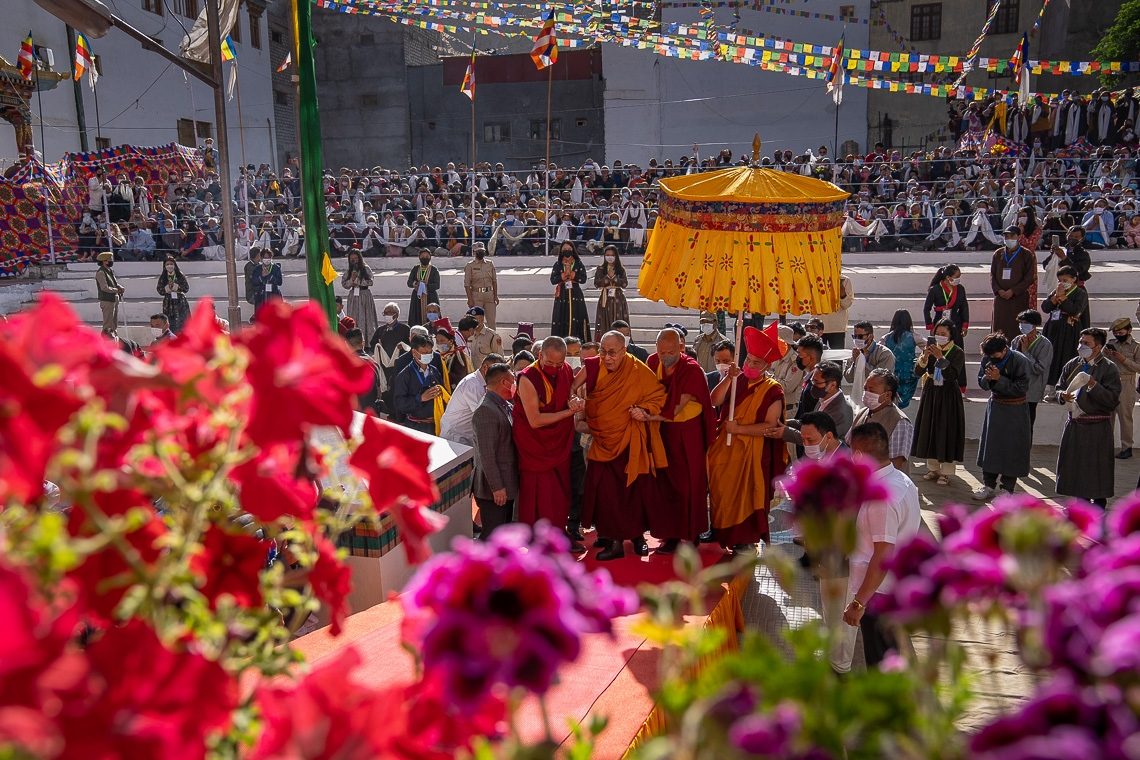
[[481, 284], [1124, 352], [484, 340]]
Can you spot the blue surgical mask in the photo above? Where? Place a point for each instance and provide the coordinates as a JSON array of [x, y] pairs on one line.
[[1025, 328]]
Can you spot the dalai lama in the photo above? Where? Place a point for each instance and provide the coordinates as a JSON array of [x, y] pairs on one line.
[[680, 510], [741, 472], [626, 451]]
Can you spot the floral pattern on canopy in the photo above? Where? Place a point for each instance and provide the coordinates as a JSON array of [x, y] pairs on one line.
[[746, 238]]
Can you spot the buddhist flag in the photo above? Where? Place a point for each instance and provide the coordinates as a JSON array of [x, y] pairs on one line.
[[1019, 64], [286, 63], [229, 50], [835, 73], [545, 50], [468, 86], [84, 60], [26, 62]]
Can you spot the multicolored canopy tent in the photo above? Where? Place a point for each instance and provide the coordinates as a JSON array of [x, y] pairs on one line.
[[746, 239]]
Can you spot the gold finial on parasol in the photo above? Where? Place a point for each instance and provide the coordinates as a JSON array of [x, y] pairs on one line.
[[756, 147]]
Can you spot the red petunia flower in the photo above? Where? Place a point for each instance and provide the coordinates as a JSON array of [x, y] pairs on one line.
[[270, 488], [230, 563], [395, 464], [332, 581], [302, 374]]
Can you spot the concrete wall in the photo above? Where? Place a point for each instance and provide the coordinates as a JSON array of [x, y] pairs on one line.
[[141, 98], [509, 91], [658, 107], [1069, 30]]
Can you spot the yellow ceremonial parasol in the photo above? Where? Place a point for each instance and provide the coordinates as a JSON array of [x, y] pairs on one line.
[[746, 239]]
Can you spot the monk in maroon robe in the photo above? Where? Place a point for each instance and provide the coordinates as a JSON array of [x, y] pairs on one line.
[[680, 510], [544, 432]]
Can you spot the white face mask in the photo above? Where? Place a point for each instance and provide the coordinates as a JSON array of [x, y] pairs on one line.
[[858, 342], [954, 282], [1085, 352], [723, 369], [574, 362], [390, 318], [424, 359], [871, 400], [156, 331], [941, 340], [707, 329], [1010, 244], [443, 348], [813, 452], [609, 259]]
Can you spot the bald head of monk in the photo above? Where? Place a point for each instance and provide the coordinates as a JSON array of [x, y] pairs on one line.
[[613, 350], [669, 347], [552, 353]]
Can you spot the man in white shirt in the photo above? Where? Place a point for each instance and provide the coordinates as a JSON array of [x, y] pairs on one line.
[[879, 528], [455, 424]]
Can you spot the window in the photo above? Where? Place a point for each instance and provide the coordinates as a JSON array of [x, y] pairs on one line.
[[152, 6], [186, 133], [276, 37], [369, 100], [580, 123], [205, 129], [494, 131], [538, 129], [847, 12], [1007, 20], [926, 22], [187, 8], [102, 143], [254, 29], [280, 98]]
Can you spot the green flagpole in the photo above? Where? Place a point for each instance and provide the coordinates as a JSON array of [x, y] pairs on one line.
[[312, 163]]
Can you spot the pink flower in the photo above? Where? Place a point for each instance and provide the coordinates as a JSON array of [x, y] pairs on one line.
[[768, 735], [841, 484]]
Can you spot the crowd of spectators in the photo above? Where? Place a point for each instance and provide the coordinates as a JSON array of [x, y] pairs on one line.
[[1078, 166]]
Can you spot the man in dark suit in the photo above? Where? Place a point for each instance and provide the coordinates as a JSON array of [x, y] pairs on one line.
[[417, 386], [723, 354], [496, 482]]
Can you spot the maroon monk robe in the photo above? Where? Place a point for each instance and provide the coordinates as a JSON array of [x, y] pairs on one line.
[[544, 453], [680, 509]]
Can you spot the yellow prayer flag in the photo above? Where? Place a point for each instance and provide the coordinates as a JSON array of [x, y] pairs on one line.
[[327, 272]]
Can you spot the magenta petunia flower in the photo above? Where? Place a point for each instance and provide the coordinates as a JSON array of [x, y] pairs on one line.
[[769, 734], [841, 484], [508, 611]]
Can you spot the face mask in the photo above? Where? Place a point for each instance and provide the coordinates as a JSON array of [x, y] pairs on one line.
[[1085, 352], [870, 400], [723, 369], [818, 392], [706, 329], [1022, 219], [813, 452], [432, 316], [752, 373], [425, 261], [954, 282], [1010, 244], [549, 371], [609, 259], [170, 270], [156, 331], [1025, 328], [443, 348], [574, 362], [390, 318], [1121, 337], [424, 359], [1065, 284], [480, 254], [941, 340], [858, 342]]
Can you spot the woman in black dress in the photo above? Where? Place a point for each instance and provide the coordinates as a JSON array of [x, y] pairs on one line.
[[1064, 309], [424, 282], [940, 425], [946, 299], [172, 286], [569, 316]]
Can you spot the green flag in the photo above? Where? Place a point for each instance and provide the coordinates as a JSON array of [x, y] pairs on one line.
[[320, 269]]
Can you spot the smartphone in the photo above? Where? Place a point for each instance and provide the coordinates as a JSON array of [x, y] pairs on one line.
[[1056, 241], [930, 341]]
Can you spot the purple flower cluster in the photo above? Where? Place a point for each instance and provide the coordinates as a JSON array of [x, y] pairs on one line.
[[774, 734], [979, 560], [509, 611], [839, 485]]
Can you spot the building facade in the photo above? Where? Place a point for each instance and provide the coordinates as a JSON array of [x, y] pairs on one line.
[[141, 99], [509, 110], [1069, 30]]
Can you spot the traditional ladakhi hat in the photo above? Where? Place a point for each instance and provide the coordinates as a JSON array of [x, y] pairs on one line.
[[765, 344]]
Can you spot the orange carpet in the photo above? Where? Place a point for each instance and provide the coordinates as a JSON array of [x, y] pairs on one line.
[[613, 677]]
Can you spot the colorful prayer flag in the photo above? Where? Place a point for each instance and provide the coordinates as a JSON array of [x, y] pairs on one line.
[[1019, 63], [835, 73], [286, 63], [84, 59], [26, 62], [468, 86], [229, 51], [545, 50]]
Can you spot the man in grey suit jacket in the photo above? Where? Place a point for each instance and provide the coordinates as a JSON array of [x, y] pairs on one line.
[[824, 387], [496, 482]]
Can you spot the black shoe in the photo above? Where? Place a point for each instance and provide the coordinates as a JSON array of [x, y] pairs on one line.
[[706, 537], [641, 548], [669, 547], [1126, 454], [616, 551]]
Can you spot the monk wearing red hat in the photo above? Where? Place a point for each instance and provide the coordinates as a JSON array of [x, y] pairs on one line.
[[680, 510], [741, 472]]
